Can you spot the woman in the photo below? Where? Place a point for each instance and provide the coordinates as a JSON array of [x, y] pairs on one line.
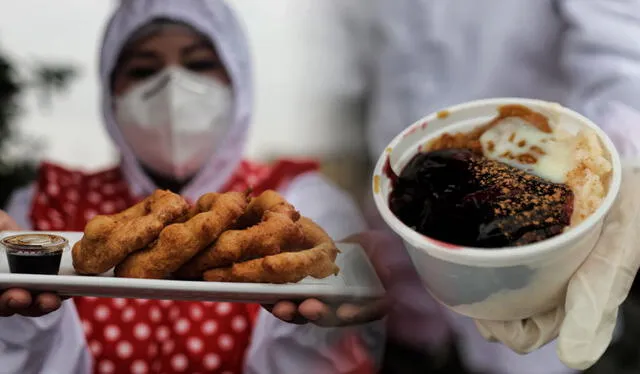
[[177, 103]]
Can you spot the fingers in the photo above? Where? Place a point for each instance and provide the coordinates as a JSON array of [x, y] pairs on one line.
[[13, 301], [358, 314], [18, 301], [321, 314], [7, 223]]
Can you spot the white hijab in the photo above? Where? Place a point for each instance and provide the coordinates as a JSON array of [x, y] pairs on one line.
[[214, 19]]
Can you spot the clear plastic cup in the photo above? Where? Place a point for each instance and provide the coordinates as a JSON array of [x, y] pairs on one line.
[[506, 283], [35, 253]]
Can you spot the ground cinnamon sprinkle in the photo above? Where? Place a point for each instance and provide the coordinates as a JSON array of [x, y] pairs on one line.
[[529, 199]]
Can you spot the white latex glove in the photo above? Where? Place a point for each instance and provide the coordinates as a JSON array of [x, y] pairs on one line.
[[584, 324]]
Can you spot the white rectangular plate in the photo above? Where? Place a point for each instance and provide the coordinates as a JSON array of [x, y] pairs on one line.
[[357, 281]]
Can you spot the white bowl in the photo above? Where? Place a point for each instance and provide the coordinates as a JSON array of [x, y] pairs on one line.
[[493, 284]]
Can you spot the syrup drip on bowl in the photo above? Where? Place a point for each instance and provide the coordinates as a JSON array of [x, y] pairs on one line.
[[460, 197]]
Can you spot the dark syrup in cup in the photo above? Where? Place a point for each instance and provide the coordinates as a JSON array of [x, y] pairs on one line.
[[34, 253]]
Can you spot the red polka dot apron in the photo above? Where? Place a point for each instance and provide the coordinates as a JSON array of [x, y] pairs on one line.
[[152, 336]]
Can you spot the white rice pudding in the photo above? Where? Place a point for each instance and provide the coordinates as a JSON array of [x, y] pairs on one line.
[[577, 160]]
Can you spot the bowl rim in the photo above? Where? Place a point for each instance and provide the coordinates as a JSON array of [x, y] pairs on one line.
[[501, 255]]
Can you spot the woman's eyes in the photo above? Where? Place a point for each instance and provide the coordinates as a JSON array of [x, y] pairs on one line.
[[203, 65], [200, 66], [141, 73]]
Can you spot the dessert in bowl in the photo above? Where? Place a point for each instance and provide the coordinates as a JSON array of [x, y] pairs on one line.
[[498, 202]]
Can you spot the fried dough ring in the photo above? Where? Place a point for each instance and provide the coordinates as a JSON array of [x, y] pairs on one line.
[[109, 239], [270, 201], [179, 242], [276, 231], [287, 267]]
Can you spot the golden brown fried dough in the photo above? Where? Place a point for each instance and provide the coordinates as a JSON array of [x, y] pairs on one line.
[[179, 242], [110, 239], [286, 267], [275, 232], [268, 201]]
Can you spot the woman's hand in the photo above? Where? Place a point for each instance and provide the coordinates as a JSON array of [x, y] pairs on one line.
[[19, 301], [322, 314], [7, 223], [22, 302]]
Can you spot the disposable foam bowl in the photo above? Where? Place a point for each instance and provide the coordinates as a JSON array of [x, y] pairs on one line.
[[493, 284]]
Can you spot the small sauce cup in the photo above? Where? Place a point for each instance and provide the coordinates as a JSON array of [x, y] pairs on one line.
[[35, 253]]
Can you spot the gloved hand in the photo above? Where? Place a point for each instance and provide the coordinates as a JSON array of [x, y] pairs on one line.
[[584, 324]]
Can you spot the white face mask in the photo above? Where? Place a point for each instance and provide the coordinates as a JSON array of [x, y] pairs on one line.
[[175, 120]]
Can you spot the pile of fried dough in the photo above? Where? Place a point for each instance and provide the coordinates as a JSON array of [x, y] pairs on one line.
[[224, 237]]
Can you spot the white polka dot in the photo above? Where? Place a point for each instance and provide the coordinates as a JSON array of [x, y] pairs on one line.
[[73, 195], [53, 189], [195, 345], [179, 362], [223, 308], [124, 349], [108, 189], [90, 298], [225, 342], [168, 347], [182, 326], [252, 179], [238, 323], [69, 208], [108, 207], [106, 367], [207, 303], [112, 333], [119, 302], [154, 314], [57, 224], [141, 331], [142, 301], [166, 303], [128, 314], [89, 214], [211, 361], [174, 313], [139, 367], [209, 327], [101, 313], [96, 348], [44, 225], [87, 327], [162, 333], [196, 313], [52, 176], [93, 197], [54, 214]]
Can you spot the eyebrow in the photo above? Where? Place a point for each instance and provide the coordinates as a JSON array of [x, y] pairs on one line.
[[202, 44]]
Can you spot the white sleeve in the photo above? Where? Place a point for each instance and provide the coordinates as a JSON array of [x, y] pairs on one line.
[[51, 344], [280, 347], [602, 54]]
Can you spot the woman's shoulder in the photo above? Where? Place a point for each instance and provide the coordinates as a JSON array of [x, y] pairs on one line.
[[53, 174], [261, 176]]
